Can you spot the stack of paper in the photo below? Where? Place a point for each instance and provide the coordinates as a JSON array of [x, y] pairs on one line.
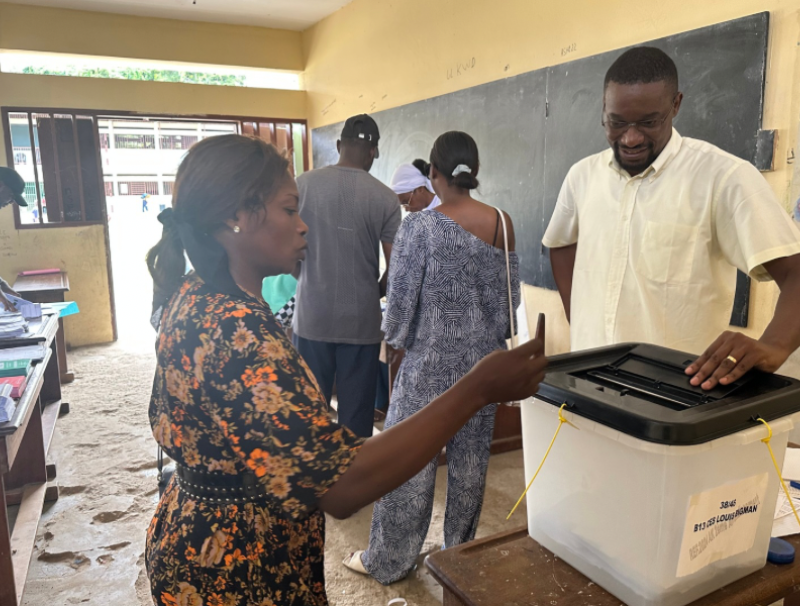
[[785, 523], [34, 353], [7, 404], [29, 311], [12, 325]]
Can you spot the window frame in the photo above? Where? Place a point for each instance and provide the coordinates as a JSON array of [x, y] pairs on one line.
[[97, 115], [38, 168]]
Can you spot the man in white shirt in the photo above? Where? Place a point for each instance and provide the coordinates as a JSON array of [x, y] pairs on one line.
[[646, 236]]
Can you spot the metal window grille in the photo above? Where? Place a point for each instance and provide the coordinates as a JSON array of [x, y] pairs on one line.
[[137, 188], [135, 141], [59, 151], [177, 141]]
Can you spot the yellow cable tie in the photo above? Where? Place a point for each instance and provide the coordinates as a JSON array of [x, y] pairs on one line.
[[561, 421], [775, 463]]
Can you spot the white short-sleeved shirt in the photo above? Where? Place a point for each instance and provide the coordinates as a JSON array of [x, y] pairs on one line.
[[657, 253]]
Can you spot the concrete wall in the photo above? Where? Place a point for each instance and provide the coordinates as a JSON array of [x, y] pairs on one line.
[[34, 28], [404, 50], [81, 251]]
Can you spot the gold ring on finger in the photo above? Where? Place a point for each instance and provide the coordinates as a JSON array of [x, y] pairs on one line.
[[732, 359]]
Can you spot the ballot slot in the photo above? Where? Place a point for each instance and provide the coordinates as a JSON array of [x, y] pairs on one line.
[[655, 381]]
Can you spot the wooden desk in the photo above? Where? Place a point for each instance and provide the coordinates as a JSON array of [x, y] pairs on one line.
[[24, 473], [49, 288], [511, 569]]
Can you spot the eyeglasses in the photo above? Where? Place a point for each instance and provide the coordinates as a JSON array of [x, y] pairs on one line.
[[641, 125], [408, 200]]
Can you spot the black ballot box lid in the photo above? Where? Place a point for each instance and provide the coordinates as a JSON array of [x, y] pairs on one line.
[[643, 391]]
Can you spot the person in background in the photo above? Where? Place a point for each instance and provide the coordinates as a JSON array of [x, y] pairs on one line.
[[445, 262], [258, 459], [413, 188], [145, 198], [415, 193], [279, 293], [647, 236], [337, 323], [12, 187]]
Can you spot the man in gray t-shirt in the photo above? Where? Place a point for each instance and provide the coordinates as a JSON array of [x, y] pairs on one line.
[[337, 322]]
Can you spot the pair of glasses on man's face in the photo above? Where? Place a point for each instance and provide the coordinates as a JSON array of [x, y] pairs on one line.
[[645, 126]]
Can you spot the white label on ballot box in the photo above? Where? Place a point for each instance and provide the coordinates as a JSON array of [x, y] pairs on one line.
[[721, 523]]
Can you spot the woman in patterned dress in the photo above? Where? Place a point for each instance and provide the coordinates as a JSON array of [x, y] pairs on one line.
[[447, 306], [258, 459]]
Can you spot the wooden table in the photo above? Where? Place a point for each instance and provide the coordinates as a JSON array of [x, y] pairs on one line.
[[511, 569], [49, 288], [24, 472]]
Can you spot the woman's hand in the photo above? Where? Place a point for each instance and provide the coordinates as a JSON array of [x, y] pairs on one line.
[[396, 454], [508, 376], [7, 305]]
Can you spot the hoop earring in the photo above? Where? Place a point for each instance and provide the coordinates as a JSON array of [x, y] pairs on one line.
[[236, 229]]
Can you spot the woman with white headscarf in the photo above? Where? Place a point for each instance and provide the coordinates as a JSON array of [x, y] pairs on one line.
[[413, 188]]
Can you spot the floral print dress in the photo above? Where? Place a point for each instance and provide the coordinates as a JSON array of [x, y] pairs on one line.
[[231, 395]]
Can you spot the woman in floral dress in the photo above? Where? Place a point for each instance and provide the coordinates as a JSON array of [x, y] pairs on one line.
[[258, 459]]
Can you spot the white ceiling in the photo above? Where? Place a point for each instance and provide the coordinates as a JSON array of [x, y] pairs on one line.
[[283, 14]]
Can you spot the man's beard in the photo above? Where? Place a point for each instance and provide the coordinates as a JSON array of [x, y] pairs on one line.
[[651, 157]]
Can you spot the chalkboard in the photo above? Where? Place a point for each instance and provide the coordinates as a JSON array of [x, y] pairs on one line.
[[531, 128]]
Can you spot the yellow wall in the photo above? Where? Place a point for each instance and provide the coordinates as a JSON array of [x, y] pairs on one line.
[[82, 251], [403, 51], [34, 28]]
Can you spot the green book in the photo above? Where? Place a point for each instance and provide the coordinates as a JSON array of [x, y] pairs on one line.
[[15, 368]]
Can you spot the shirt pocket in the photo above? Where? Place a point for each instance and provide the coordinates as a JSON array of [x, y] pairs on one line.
[[667, 252]]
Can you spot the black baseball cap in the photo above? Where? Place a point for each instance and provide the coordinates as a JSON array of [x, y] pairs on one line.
[[12, 185], [361, 127]]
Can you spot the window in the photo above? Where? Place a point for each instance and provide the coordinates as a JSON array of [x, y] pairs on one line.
[[137, 188], [82, 66], [177, 141], [285, 136], [72, 160], [64, 182], [135, 141]]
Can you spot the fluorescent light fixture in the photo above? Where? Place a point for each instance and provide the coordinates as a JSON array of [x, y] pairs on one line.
[[25, 62]]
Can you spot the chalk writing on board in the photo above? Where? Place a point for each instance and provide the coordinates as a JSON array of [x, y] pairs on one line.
[[328, 107], [460, 68], [567, 50]]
